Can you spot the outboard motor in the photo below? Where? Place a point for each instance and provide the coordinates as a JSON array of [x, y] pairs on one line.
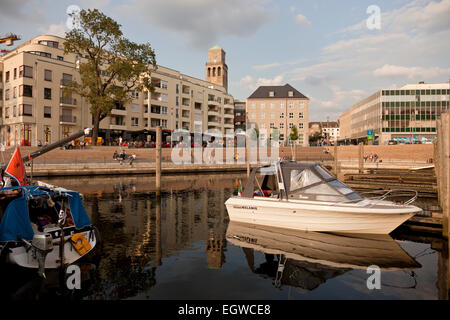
[[42, 244]]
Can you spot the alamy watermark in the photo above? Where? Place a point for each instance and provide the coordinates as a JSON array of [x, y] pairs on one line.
[[374, 20], [212, 147], [73, 280], [374, 280]]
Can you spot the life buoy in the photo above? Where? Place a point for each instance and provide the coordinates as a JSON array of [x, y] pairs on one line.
[[80, 243]]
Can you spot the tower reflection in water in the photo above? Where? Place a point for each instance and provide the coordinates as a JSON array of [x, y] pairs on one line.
[[141, 227]]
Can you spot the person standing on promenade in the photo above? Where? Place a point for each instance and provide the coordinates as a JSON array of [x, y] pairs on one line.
[[132, 158]]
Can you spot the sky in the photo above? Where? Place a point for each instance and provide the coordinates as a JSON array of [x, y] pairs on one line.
[[334, 52]]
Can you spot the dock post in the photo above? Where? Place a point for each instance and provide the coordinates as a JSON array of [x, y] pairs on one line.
[[31, 177], [361, 158], [247, 154], [158, 158], [158, 249], [336, 159]]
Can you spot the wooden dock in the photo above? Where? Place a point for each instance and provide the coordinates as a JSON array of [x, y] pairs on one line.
[[423, 181]]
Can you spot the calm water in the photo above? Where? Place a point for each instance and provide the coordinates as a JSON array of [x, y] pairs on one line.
[[176, 246]]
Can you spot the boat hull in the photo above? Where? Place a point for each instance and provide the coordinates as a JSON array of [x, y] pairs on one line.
[[26, 258], [319, 217]]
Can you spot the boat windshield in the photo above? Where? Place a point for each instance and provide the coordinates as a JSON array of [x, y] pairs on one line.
[[303, 178], [316, 183]]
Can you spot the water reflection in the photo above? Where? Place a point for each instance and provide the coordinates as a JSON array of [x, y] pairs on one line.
[[308, 259], [179, 244]]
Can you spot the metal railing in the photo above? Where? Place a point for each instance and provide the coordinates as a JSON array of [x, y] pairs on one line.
[[394, 193], [68, 100], [68, 119]]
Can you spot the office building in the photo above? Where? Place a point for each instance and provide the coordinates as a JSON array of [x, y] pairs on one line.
[[407, 114]]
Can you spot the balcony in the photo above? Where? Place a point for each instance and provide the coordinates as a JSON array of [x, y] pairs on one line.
[[118, 126], [68, 119], [213, 113], [67, 102], [186, 89], [228, 115], [186, 102], [161, 97], [185, 114], [212, 103], [185, 126], [119, 111], [214, 121], [228, 125]]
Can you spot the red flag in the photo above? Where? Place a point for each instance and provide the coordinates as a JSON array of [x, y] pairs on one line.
[[16, 168]]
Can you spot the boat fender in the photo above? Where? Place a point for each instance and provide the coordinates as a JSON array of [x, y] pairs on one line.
[[81, 245]]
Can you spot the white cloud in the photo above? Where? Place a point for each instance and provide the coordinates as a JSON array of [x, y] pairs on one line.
[[302, 20], [394, 71], [252, 84], [202, 22], [266, 66], [278, 64], [54, 29], [99, 4], [415, 16]]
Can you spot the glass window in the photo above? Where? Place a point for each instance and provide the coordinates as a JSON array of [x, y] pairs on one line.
[[47, 93], [25, 91], [47, 112], [322, 188], [303, 178], [325, 174], [26, 71], [26, 109], [342, 188], [48, 75]]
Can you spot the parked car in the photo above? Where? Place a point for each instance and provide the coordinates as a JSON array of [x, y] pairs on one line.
[[392, 142]]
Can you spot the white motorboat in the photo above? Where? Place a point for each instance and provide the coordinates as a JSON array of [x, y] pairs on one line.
[[308, 197]]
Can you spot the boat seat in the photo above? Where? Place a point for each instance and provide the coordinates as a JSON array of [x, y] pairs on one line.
[[264, 193]]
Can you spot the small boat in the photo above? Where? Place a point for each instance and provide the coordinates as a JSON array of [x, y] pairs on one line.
[[43, 227], [308, 197], [309, 259]]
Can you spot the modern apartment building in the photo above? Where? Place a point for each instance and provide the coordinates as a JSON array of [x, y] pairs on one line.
[[33, 108], [406, 114], [280, 107]]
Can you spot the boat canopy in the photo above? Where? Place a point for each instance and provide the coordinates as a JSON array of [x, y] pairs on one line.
[[299, 181], [15, 210]]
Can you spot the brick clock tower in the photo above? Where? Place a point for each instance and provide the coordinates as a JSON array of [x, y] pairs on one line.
[[216, 68]]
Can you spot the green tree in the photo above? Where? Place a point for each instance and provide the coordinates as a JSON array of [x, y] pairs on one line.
[[293, 136], [315, 137], [275, 134], [110, 65]]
